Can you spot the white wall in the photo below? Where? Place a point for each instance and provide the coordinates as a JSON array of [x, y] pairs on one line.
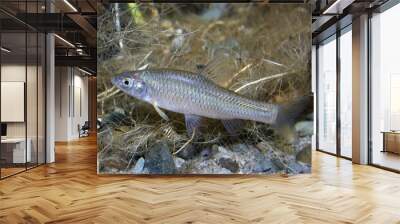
[[61, 103], [80, 110], [346, 76], [13, 101], [71, 102]]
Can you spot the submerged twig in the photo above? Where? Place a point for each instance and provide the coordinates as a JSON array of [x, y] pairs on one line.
[[106, 92], [110, 94], [144, 59], [238, 73], [262, 80], [273, 62], [186, 143]]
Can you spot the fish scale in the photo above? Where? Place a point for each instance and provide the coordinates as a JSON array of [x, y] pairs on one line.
[[193, 94]]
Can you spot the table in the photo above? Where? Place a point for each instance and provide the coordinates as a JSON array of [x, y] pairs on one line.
[[391, 141], [13, 150]]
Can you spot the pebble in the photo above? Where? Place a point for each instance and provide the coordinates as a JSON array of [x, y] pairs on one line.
[[138, 168]]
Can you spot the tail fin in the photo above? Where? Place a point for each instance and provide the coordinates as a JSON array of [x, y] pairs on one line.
[[289, 113]]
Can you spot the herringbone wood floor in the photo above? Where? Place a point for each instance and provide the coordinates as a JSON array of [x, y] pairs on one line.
[[70, 191]]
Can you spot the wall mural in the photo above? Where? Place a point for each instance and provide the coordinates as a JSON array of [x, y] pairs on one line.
[[204, 88]]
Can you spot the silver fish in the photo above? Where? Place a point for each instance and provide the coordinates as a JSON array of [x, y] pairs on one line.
[[195, 96]]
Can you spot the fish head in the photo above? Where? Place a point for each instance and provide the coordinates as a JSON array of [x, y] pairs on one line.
[[131, 83]]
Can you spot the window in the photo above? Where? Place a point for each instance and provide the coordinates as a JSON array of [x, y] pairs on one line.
[[327, 95], [346, 93], [22, 77], [334, 106], [385, 89]]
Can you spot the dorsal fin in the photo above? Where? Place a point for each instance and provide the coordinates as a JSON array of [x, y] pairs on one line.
[[210, 70]]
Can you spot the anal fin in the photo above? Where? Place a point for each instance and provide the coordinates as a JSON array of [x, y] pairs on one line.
[[193, 123]]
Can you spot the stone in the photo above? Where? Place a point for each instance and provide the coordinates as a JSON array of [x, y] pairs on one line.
[[239, 148], [179, 162], [222, 152], [245, 159], [210, 167], [113, 170], [229, 164], [223, 171], [159, 160], [262, 165], [310, 116], [115, 119], [206, 153], [214, 149], [304, 128], [278, 163], [295, 167], [145, 171], [304, 155], [113, 162], [188, 152], [138, 168]]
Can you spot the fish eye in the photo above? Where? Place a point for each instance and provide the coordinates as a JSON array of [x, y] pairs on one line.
[[127, 82]]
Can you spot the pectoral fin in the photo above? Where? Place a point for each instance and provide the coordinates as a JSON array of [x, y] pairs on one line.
[[233, 127], [160, 112], [193, 122]]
